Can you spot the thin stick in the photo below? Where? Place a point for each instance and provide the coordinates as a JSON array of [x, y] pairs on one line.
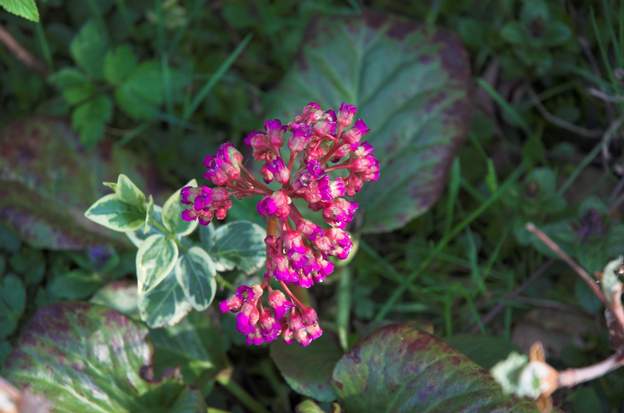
[[572, 377], [21, 53], [552, 245]]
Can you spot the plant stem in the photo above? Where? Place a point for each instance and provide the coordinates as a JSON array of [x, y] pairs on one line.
[[225, 379], [552, 245], [21, 53], [572, 377]]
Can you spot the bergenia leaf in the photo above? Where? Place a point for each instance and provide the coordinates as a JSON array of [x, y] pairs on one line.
[[308, 370], [410, 84], [88, 358], [401, 369], [47, 181]]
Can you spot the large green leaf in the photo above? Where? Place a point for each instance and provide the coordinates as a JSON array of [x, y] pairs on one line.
[[410, 85], [308, 370], [401, 369], [239, 244], [87, 358], [47, 181], [196, 274]]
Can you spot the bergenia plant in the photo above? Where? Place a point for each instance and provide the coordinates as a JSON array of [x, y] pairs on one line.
[[319, 157]]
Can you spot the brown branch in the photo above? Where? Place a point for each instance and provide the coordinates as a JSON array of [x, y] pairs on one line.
[[572, 377], [21, 53], [552, 245]]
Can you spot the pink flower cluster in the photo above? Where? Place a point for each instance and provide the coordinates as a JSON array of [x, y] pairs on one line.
[[319, 158]]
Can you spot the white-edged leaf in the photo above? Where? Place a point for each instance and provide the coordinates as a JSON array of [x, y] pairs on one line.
[[114, 214], [165, 304], [195, 272], [155, 259], [128, 192]]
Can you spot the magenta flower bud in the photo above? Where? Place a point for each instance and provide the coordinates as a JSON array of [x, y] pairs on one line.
[[327, 124], [346, 114], [326, 167], [231, 304], [330, 190], [355, 134], [274, 131], [339, 213], [277, 204], [188, 215], [280, 304], [276, 170], [301, 135]]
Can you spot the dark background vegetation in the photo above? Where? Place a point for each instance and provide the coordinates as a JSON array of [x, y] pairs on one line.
[[547, 92]]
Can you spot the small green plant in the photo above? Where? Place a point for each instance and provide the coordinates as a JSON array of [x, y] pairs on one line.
[[176, 272], [105, 74]]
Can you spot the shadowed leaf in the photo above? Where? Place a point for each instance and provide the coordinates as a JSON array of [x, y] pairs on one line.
[[401, 369], [47, 180], [308, 370], [87, 358], [411, 88]]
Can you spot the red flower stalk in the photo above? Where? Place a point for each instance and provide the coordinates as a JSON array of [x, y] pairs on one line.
[[326, 161]]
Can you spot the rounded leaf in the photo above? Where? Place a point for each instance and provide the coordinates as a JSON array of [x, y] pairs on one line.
[[308, 370], [196, 273], [401, 369], [48, 180], [410, 85], [88, 358], [155, 258]]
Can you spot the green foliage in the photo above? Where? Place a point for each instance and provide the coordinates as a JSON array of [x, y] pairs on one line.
[[294, 363], [99, 354], [23, 8], [12, 303], [402, 84], [175, 274], [424, 372], [47, 180]]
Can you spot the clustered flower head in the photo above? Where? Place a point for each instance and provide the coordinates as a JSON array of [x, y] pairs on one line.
[[320, 158]]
